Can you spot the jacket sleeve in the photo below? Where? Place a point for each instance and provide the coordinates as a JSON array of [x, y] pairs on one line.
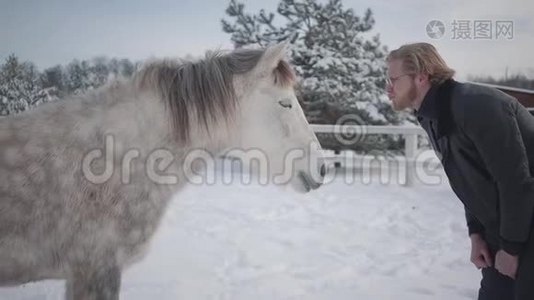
[[473, 225], [492, 126]]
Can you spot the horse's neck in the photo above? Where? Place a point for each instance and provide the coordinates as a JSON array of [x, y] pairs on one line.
[[140, 119], [136, 118]]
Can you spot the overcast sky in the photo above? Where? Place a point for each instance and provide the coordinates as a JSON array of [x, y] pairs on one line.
[[50, 32]]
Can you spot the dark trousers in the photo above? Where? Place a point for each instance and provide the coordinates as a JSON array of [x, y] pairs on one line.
[[495, 286]]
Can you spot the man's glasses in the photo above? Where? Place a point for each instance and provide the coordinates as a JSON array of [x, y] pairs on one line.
[[391, 80]]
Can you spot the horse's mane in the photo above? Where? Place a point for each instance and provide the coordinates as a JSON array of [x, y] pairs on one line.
[[203, 90]]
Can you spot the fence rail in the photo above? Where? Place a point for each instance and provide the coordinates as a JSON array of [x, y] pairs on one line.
[[371, 129], [409, 132]]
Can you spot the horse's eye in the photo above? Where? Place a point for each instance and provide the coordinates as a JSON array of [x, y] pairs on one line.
[[285, 103]]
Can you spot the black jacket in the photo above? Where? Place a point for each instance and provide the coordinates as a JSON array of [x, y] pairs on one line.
[[485, 139]]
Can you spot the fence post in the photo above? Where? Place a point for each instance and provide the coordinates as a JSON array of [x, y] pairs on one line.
[[410, 150]]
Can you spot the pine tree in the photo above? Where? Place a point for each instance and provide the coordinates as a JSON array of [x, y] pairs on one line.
[[54, 77], [121, 68], [78, 77], [20, 86], [340, 64], [99, 72]]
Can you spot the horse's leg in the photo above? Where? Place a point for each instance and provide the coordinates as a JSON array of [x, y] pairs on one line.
[[90, 283]]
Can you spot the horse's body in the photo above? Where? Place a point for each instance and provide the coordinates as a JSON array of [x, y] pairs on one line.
[[65, 215]]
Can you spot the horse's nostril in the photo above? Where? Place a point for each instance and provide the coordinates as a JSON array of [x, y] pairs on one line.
[[323, 170]]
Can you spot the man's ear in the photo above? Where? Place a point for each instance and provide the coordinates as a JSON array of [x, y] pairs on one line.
[[426, 78], [271, 58], [422, 78]]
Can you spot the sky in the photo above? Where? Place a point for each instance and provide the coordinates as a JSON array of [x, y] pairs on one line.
[[57, 31]]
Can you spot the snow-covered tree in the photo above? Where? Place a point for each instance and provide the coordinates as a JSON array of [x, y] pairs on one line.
[[54, 77], [23, 86], [341, 65], [78, 77], [99, 71], [91, 74], [121, 68], [20, 86]]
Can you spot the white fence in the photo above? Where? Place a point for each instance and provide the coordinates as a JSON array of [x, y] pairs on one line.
[[411, 135], [411, 150]]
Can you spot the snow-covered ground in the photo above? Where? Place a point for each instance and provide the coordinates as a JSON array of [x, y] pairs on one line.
[[343, 241]]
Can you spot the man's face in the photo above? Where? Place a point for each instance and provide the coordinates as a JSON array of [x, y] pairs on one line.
[[400, 87]]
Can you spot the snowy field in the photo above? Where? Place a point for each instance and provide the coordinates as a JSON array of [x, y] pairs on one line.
[[343, 241]]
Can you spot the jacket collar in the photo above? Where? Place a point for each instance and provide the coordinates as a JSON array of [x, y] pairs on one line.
[[436, 106], [429, 109]]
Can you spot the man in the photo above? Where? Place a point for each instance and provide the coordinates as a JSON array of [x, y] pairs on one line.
[[485, 140]]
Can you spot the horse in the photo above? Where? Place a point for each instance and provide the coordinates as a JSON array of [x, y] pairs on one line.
[[85, 181]]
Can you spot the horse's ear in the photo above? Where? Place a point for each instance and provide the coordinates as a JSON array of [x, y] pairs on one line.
[[271, 58]]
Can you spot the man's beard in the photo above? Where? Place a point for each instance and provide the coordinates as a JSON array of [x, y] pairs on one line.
[[406, 101]]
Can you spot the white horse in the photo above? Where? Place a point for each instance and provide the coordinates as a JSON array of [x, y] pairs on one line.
[[84, 181]]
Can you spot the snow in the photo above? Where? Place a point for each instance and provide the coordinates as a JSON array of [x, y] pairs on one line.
[[343, 241]]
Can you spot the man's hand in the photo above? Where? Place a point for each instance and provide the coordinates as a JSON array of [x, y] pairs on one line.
[[480, 254], [506, 263]]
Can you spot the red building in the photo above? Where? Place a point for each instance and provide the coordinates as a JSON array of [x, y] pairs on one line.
[[524, 96]]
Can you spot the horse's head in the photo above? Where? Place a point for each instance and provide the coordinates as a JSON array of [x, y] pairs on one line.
[[243, 101], [272, 124]]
